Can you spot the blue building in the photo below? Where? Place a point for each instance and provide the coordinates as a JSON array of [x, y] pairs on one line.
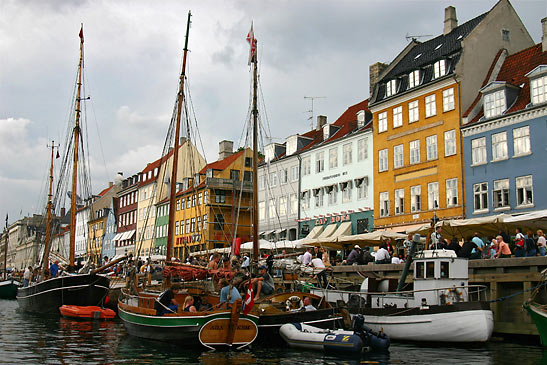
[[505, 137], [109, 245]]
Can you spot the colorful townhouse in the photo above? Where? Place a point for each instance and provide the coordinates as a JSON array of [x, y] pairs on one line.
[[126, 215], [504, 135], [417, 101], [214, 206], [97, 222]]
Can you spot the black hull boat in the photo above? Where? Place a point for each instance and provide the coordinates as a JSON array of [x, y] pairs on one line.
[[8, 289], [47, 296]]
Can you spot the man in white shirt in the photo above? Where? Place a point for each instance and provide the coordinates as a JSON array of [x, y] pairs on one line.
[[26, 276], [382, 255], [307, 305], [320, 271], [306, 259], [246, 262]]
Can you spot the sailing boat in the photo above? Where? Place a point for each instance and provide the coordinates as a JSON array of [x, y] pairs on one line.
[[71, 289], [537, 308], [8, 287], [211, 328]]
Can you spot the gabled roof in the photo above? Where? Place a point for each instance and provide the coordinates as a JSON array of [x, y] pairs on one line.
[[222, 164], [102, 193], [423, 55], [513, 72]]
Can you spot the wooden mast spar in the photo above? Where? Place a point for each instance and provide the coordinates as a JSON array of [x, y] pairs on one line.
[[173, 182], [75, 159], [47, 241], [255, 149]]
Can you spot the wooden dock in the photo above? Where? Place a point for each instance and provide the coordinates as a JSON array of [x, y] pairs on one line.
[[510, 282]]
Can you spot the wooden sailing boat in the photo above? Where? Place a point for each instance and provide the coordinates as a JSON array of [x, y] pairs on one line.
[[8, 287], [211, 328], [536, 307], [72, 289]]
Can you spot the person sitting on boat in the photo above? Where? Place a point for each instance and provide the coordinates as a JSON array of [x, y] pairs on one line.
[[306, 258], [503, 248], [189, 304], [166, 302], [228, 293], [307, 305], [264, 283], [246, 262], [353, 256], [467, 247], [364, 257], [54, 269], [27, 276], [213, 264], [382, 255]]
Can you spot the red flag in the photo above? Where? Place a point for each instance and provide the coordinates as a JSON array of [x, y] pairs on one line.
[[82, 34], [252, 42], [249, 300]]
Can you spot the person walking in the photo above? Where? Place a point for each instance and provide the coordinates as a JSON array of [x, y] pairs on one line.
[[541, 242]]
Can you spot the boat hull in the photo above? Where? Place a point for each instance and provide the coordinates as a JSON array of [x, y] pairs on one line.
[[47, 296], [302, 336], [539, 317], [465, 322], [8, 289]]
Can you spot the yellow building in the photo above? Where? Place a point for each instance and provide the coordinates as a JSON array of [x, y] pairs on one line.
[[211, 205], [96, 230], [417, 101]]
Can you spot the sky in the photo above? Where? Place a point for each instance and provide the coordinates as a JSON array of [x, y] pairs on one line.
[[133, 57]]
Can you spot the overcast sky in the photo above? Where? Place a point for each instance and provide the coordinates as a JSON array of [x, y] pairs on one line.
[[133, 53]]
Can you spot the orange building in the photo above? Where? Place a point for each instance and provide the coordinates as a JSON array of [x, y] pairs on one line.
[[215, 206]]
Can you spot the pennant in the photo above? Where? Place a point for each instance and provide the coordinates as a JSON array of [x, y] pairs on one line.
[[82, 34], [57, 156], [252, 43], [249, 300], [6, 220]]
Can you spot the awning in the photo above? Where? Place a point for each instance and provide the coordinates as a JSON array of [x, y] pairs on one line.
[[278, 231], [327, 233], [370, 239], [314, 232], [118, 236], [344, 229], [127, 235]]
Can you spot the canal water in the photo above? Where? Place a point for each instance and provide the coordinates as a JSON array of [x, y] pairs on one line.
[[33, 339]]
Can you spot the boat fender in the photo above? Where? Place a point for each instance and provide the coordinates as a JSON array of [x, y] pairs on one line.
[[292, 301], [343, 343], [378, 342]]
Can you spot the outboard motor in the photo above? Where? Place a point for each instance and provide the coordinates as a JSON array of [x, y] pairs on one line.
[[376, 341]]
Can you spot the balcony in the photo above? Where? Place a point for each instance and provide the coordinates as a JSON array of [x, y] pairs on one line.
[[228, 184]]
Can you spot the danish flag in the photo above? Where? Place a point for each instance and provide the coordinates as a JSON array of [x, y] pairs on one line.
[[249, 300], [252, 43]]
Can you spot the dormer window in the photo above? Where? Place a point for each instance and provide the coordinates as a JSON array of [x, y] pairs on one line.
[[414, 79], [291, 145], [538, 89], [360, 119], [269, 152], [494, 103], [326, 132], [439, 69], [391, 87]]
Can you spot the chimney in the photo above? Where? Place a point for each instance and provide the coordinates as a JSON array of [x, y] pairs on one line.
[[450, 20], [544, 34], [374, 72], [110, 183], [225, 149], [321, 121]]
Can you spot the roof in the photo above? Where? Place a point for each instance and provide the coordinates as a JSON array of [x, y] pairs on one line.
[[102, 193], [513, 72], [423, 55], [222, 164]]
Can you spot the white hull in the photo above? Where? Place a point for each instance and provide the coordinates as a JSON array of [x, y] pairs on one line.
[[461, 326]]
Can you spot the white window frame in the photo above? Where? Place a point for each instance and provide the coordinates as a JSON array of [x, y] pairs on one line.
[[293, 203], [413, 111], [524, 191], [283, 176], [450, 142], [452, 192], [415, 198], [332, 195], [272, 211], [448, 100], [347, 153], [383, 163], [414, 151], [294, 173], [398, 156], [478, 151], [397, 117], [319, 198], [306, 166], [362, 149], [282, 206], [391, 88], [399, 201], [273, 179], [414, 79], [500, 194], [347, 193], [384, 204], [494, 103], [430, 106], [499, 146], [333, 158], [362, 188], [382, 122], [439, 69], [320, 162], [262, 211], [480, 197], [433, 195], [521, 141], [538, 90], [431, 147]]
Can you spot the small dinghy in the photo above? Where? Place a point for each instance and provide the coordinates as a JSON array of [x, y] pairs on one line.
[[304, 336], [86, 312]]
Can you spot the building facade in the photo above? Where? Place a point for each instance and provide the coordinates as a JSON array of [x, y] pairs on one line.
[[126, 215]]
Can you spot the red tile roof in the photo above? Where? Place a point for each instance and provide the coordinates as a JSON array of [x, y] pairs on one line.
[[102, 193], [222, 164]]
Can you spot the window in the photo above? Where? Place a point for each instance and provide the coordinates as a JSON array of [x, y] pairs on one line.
[[193, 225], [220, 196], [362, 149], [431, 146], [234, 175], [219, 222], [261, 211], [524, 190], [333, 158], [414, 79], [413, 112], [189, 201], [294, 173], [178, 204], [415, 198], [198, 224], [318, 194], [451, 192], [346, 192], [501, 193], [382, 122], [283, 206], [194, 200], [187, 225], [362, 188], [382, 160], [320, 162], [391, 87], [271, 209], [430, 107], [347, 153], [448, 99], [283, 176], [505, 34], [248, 161], [433, 195], [478, 151], [206, 197], [332, 193], [415, 151], [204, 222], [399, 201], [306, 166], [397, 116], [384, 204], [398, 157], [439, 69], [450, 142], [499, 146], [262, 182], [539, 90], [480, 195], [521, 141], [305, 201], [494, 103], [293, 203], [273, 179]]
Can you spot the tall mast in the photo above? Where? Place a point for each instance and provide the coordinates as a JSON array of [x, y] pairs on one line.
[[6, 231], [173, 185], [75, 161], [255, 156], [47, 241]]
